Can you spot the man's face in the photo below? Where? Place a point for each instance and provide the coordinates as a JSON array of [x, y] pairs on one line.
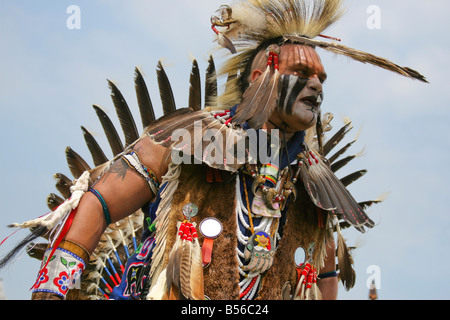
[[304, 101]]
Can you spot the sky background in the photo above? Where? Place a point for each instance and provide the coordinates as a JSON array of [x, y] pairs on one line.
[[50, 76]]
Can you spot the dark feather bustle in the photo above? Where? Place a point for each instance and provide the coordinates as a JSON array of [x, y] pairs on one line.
[[98, 156], [340, 152], [77, 164], [53, 201], [210, 83], [63, 184], [336, 138], [124, 115], [195, 92], [341, 163], [345, 261], [143, 98], [165, 90], [352, 177], [328, 193], [110, 131]]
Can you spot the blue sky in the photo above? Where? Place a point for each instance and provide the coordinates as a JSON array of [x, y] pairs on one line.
[[51, 76]]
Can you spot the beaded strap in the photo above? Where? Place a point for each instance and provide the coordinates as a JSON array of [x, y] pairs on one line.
[[133, 160]]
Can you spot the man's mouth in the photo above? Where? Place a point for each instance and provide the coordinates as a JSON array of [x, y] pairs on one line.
[[313, 101]]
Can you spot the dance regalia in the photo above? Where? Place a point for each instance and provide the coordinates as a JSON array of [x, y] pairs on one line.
[[217, 230]]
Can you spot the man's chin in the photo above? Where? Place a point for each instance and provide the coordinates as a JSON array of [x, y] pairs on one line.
[[295, 124]]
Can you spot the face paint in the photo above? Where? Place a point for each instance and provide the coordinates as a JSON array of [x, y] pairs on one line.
[[291, 87], [302, 75]]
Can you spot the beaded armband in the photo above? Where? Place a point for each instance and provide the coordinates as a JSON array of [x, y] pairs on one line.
[[133, 160]]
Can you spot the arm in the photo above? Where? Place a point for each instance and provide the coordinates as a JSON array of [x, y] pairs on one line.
[[124, 191], [329, 286]]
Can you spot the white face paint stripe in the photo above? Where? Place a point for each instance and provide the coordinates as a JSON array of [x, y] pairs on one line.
[[292, 82], [294, 85]]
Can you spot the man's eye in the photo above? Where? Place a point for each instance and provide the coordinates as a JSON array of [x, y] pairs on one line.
[[301, 74]]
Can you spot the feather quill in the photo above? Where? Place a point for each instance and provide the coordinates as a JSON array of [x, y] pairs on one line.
[[352, 177], [173, 271], [185, 269], [328, 193], [37, 250], [165, 90], [196, 124], [132, 232], [77, 164], [336, 138], [210, 83], [159, 290], [123, 240], [144, 101], [345, 261], [268, 103], [197, 285], [125, 117], [98, 156], [340, 152], [252, 98], [195, 93], [369, 203], [63, 184], [225, 42], [360, 56], [341, 163], [53, 201], [110, 131], [170, 181]]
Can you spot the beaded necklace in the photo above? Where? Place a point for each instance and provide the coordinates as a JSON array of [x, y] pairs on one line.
[[266, 226]]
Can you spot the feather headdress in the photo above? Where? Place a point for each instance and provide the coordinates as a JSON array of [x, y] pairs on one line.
[[251, 25]]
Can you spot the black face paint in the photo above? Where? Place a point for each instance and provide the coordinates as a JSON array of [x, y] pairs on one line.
[[291, 86]]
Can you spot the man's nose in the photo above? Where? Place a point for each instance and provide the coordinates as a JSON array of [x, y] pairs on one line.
[[315, 84]]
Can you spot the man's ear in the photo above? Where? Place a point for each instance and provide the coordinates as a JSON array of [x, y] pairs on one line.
[[255, 74]]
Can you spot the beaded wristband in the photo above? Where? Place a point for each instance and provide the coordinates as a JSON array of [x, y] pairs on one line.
[[61, 274]]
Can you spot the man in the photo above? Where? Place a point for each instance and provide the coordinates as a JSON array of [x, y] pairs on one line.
[[124, 191], [266, 212]]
